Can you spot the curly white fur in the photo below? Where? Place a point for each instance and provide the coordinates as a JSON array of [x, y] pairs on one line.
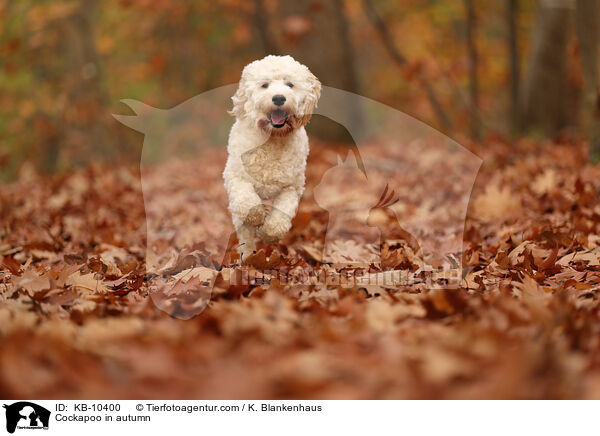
[[268, 147]]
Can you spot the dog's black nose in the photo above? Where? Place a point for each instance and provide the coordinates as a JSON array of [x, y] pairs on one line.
[[278, 100]]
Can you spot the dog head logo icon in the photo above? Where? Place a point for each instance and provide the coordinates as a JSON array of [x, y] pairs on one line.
[[26, 415]]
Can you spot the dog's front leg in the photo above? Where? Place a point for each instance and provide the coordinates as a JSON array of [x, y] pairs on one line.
[[279, 221], [245, 203], [245, 234], [247, 211]]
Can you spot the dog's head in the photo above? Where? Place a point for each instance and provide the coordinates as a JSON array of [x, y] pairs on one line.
[[277, 93]]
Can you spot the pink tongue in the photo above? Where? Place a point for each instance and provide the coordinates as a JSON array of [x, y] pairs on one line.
[[278, 117]]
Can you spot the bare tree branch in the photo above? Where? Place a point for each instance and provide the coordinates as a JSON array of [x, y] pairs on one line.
[[388, 42]]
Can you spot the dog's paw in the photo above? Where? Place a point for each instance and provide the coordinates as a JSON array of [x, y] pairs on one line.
[[275, 227], [244, 256], [256, 216], [245, 251]]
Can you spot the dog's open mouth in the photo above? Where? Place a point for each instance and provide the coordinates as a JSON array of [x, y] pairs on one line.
[[278, 118]]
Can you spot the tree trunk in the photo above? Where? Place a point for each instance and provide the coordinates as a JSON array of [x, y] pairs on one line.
[[513, 56], [473, 77], [587, 16], [544, 101], [317, 35], [85, 123], [263, 29]]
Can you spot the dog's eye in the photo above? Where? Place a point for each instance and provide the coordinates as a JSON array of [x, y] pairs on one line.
[[290, 84], [265, 85]]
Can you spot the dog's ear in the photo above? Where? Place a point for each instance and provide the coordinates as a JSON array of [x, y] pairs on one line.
[[241, 96], [239, 100], [310, 100]]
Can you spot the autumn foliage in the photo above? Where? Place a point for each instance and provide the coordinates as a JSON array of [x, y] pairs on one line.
[[79, 316]]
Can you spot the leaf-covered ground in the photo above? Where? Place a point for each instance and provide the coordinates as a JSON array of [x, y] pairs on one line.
[[83, 310]]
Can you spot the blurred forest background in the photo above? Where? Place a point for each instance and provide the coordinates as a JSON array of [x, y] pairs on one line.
[[470, 68]]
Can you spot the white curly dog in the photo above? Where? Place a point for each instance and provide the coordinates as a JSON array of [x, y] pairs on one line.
[[268, 147]]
